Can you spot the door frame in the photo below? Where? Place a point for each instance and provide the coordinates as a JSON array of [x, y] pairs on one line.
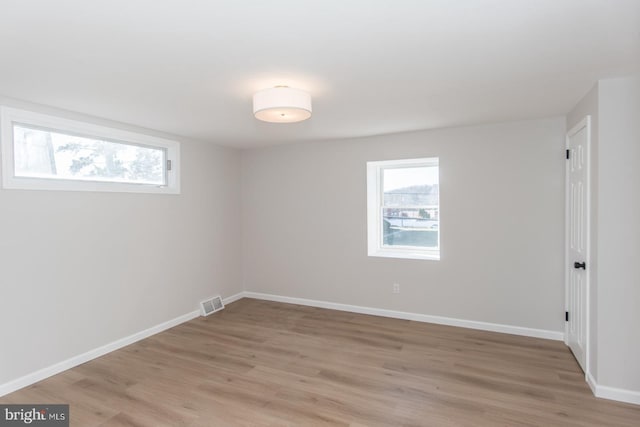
[[584, 123]]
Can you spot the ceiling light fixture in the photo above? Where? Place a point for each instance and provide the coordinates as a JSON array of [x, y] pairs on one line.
[[282, 104]]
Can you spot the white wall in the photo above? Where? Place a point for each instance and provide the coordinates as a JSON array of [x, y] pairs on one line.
[[619, 234], [79, 270], [614, 105], [502, 224]]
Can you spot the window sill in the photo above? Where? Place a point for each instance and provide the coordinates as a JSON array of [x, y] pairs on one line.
[[24, 183], [405, 254]]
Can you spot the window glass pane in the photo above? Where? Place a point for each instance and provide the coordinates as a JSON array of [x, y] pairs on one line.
[[417, 227], [413, 186], [48, 154], [410, 211]]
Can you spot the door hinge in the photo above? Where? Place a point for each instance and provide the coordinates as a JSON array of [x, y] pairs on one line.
[[568, 154], [566, 316], [168, 165]]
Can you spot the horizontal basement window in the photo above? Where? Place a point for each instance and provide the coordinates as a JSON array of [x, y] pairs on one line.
[[42, 152]]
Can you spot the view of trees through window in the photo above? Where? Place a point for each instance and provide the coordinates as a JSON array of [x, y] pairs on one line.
[[49, 154], [410, 207]]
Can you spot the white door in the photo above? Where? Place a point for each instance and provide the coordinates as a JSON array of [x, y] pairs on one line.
[[577, 240]]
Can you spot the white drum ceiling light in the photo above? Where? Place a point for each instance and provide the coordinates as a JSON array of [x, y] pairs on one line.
[[282, 104]]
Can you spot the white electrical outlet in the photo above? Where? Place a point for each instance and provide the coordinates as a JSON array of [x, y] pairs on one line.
[[396, 288]]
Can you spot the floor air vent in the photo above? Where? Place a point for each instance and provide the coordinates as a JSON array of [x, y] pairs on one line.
[[211, 306]]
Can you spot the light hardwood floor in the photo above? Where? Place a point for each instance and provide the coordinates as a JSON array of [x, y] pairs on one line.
[[263, 363]]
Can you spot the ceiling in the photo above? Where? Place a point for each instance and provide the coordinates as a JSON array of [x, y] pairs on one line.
[[190, 67]]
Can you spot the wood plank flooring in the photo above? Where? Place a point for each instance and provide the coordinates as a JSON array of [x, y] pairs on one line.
[[260, 363]]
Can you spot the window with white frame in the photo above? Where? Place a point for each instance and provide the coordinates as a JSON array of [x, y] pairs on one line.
[[43, 152], [403, 208]]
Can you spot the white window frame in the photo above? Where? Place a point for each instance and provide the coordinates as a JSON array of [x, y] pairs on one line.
[[10, 116], [375, 198]]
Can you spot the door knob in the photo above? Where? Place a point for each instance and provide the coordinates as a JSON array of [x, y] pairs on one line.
[[581, 265]]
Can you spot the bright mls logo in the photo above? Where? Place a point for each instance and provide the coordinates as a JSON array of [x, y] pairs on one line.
[[34, 415]]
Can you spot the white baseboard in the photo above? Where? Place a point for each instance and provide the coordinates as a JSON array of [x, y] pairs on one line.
[[92, 354], [591, 382], [619, 394], [612, 393], [600, 391], [471, 324], [100, 351], [604, 392], [233, 298]]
